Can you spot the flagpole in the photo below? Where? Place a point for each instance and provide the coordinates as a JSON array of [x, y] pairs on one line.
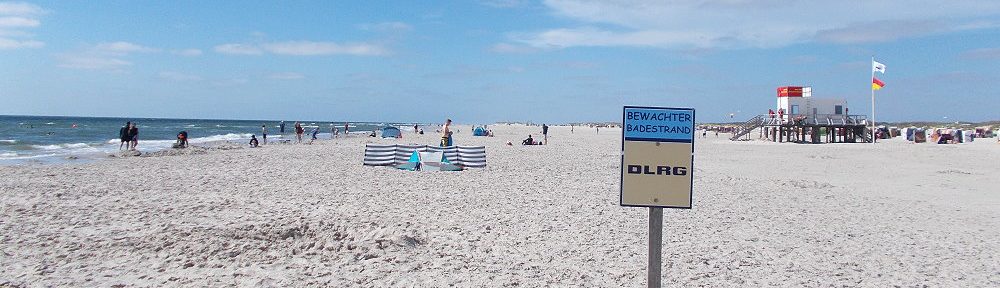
[[873, 100]]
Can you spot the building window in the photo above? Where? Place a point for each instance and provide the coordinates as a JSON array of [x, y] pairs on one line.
[[794, 110], [839, 110]]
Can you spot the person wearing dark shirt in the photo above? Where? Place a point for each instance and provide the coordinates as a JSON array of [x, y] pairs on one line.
[[545, 133], [253, 141], [123, 135], [182, 140], [133, 133], [528, 141], [281, 127]]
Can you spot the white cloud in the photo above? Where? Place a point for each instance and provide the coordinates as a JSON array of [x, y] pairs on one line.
[[92, 62], [982, 53], [507, 48], [238, 49], [18, 22], [286, 76], [504, 3], [303, 48], [122, 48], [103, 56], [306, 48], [178, 76], [19, 8], [14, 17], [6, 43], [188, 52], [752, 23], [387, 27]]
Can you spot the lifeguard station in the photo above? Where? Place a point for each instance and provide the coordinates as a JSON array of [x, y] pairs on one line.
[[799, 117]]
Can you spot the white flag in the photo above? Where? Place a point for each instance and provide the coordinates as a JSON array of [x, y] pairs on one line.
[[878, 67]]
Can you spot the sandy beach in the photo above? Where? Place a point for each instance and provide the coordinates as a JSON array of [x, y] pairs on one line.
[[764, 214]]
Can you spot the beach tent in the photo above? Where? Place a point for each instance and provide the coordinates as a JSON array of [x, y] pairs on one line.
[[391, 132], [428, 161], [479, 131]]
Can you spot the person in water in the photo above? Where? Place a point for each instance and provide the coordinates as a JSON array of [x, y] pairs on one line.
[[281, 127], [123, 135], [253, 141]]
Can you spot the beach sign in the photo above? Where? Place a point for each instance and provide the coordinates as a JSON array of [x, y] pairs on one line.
[[657, 157]]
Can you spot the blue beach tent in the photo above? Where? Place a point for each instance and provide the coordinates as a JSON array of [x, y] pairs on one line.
[[479, 131], [390, 132]]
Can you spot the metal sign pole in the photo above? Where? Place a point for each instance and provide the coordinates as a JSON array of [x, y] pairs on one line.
[[655, 243]]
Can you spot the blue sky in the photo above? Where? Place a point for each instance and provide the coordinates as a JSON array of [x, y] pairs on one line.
[[493, 60]]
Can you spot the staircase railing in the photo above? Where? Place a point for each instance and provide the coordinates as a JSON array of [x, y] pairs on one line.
[[747, 127]]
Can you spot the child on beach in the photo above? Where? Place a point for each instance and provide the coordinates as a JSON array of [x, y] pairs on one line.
[[253, 141], [314, 133], [263, 132], [298, 132]]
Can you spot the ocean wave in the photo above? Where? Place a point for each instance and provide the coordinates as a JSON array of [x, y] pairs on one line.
[[61, 146], [8, 141], [224, 137], [15, 156]]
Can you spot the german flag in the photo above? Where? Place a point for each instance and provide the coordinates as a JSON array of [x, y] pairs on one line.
[[877, 84]]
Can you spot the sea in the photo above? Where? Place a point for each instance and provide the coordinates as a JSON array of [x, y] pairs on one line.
[[56, 139]]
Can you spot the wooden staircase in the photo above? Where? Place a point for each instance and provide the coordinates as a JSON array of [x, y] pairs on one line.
[[747, 127]]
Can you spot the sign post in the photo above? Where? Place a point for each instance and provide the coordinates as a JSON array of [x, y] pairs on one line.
[[656, 171]]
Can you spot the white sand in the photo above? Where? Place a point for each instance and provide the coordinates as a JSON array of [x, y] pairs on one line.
[[311, 215]]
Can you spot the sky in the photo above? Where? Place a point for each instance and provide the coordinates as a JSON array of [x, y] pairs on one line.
[[555, 61]]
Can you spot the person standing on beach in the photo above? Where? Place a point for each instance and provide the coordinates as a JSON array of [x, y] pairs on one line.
[[263, 133], [346, 129], [545, 134], [415, 129], [298, 132], [446, 134], [314, 133], [133, 133], [123, 135], [333, 130], [281, 127]]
